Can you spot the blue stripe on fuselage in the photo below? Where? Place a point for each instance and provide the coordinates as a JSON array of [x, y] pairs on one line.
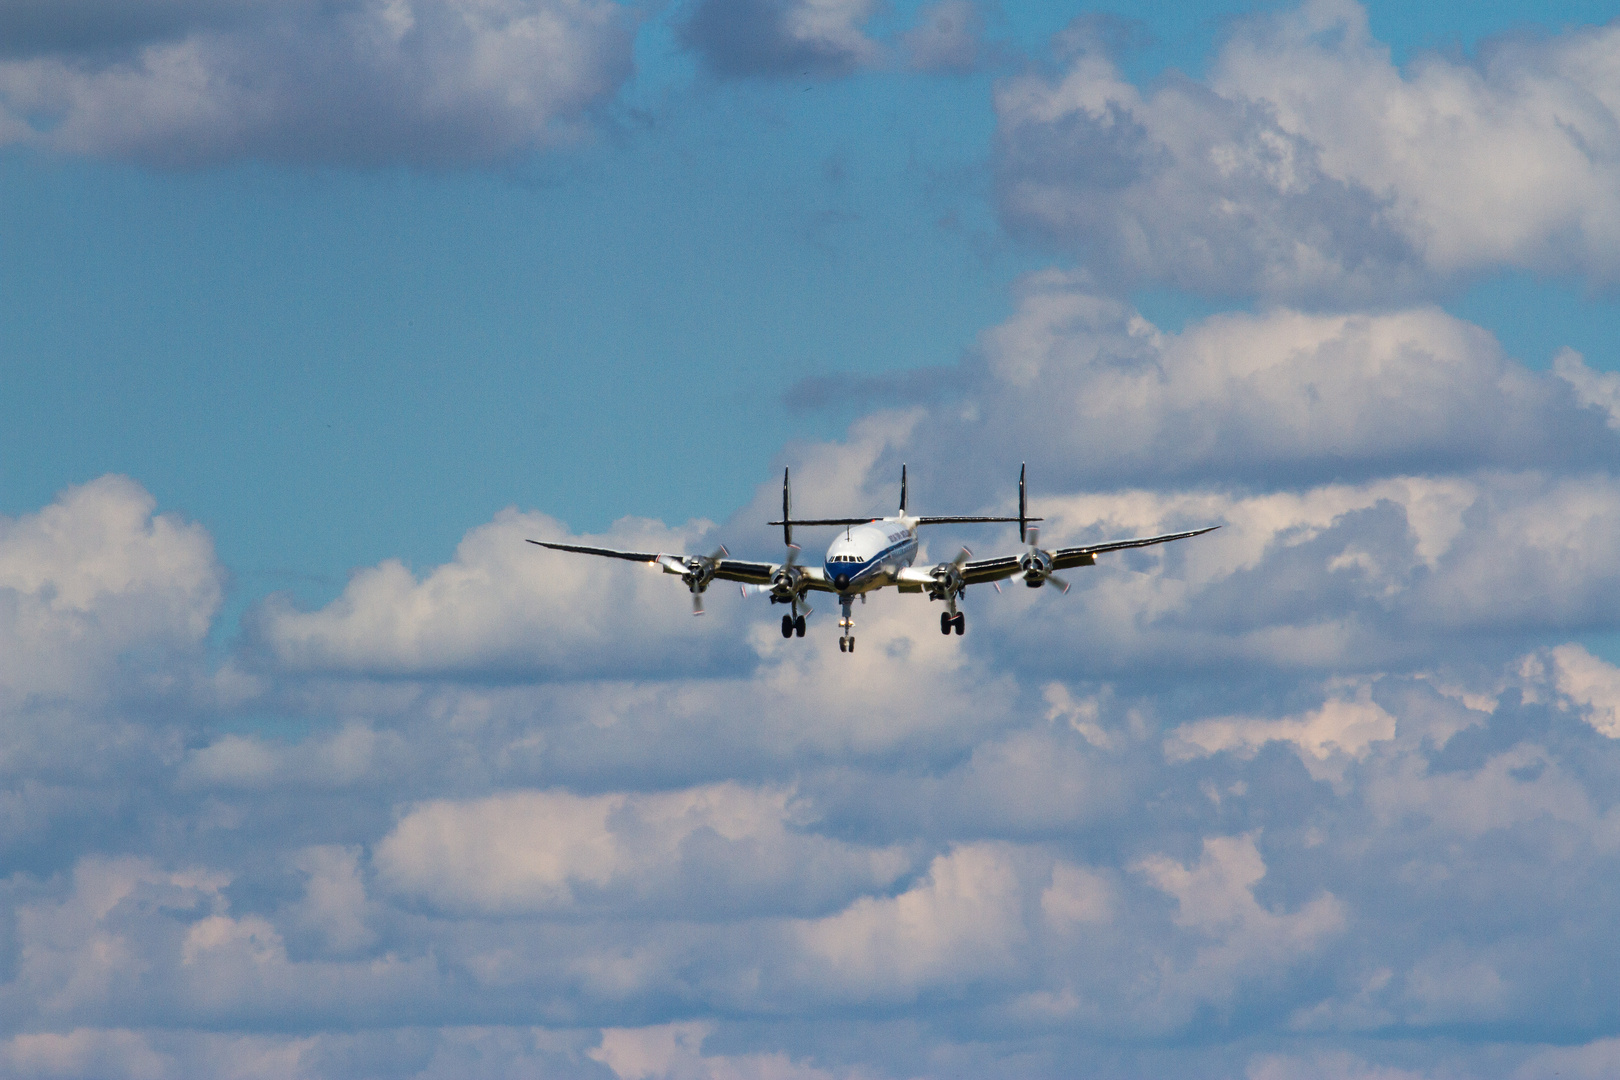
[[858, 572]]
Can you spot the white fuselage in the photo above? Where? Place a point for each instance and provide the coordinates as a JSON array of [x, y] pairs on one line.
[[870, 556]]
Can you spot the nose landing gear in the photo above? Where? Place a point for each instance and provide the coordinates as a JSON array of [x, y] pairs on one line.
[[846, 624]]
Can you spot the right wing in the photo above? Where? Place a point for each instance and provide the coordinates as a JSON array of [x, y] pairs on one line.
[[633, 556], [1063, 558]]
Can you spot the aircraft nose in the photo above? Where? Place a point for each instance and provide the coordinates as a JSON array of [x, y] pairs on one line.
[[842, 581]]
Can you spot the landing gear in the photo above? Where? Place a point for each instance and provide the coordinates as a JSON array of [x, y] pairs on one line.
[[798, 626], [847, 625], [787, 626], [949, 621], [960, 622], [793, 625]]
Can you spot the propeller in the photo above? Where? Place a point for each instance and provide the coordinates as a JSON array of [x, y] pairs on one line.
[[948, 577], [787, 583], [1037, 564], [696, 571]]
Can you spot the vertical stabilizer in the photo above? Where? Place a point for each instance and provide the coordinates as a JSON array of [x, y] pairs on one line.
[[1023, 504], [902, 489], [787, 510]]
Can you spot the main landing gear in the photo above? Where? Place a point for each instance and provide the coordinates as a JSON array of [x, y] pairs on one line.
[[793, 625], [847, 625], [948, 622]]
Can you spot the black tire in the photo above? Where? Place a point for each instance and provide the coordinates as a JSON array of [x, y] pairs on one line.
[[961, 623], [944, 622], [787, 626], [852, 643], [841, 644], [798, 626]]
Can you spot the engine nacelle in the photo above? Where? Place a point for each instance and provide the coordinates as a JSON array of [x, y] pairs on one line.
[[699, 572], [785, 584], [947, 582], [1037, 566]]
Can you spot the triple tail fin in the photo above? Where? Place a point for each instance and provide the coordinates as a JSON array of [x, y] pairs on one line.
[[787, 510], [1023, 504]]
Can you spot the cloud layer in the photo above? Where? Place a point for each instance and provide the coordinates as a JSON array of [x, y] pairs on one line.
[[1309, 169], [363, 82]]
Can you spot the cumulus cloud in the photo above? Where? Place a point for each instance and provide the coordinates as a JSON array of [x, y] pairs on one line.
[[97, 579], [1094, 395], [1309, 168], [184, 83], [780, 38], [506, 606], [706, 851], [963, 922], [819, 835]]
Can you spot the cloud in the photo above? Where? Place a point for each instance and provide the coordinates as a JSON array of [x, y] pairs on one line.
[[948, 36], [676, 1051], [1309, 169], [96, 581], [963, 922], [370, 82], [1324, 738], [1215, 900], [505, 606], [779, 38], [706, 851], [1592, 685], [1095, 394]]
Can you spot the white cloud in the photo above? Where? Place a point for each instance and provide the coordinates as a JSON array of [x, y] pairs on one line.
[[1325, 738], [342, 758], [549, 851], [1077, 896], [378, 81], [94, 577], [1278, 399], [963, 922], [1591, 684], [1592, 388], [507, 607], [1309, 167], [1215, 901], [675, 1052], [115, 1054]]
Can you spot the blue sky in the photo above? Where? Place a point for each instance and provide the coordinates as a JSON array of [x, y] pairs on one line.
[[311, 313]]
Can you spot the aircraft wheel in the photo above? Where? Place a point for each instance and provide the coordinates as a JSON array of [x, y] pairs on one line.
[[852, 643], [841, 642], [961, 623], [944, 622], [787, 626], [798, 626]]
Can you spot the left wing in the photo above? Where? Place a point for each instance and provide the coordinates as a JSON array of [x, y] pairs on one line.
[[1063, 558], [726, 569]]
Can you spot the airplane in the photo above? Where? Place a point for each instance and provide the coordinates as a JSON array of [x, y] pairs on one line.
[[874, 553]]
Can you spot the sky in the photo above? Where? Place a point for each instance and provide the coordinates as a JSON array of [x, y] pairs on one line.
[[311, 313]]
